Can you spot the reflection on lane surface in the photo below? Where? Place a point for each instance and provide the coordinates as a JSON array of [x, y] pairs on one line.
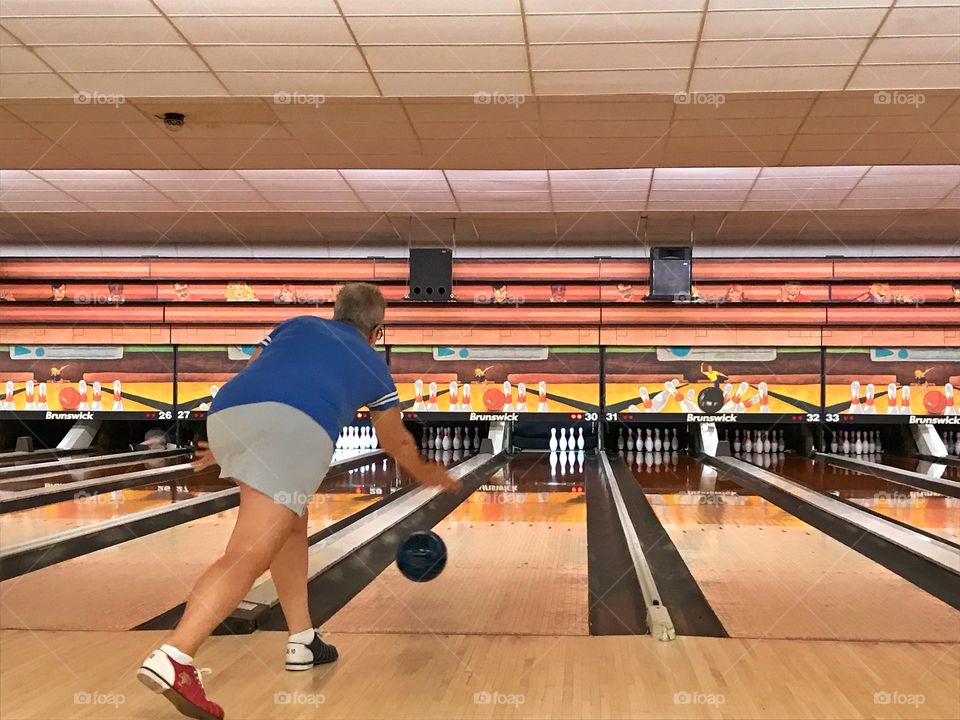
[[87, 508], [118, 588], [924, 467], [517, 563], [921, 509], [768, 574]]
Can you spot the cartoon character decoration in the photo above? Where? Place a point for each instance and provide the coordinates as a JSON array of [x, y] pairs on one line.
[[286, 295], [499, 293], [792, 292], [558, 293], [624, 292], [58, 291], [240, 291], [735, 294], [181, 291], [115, 293]]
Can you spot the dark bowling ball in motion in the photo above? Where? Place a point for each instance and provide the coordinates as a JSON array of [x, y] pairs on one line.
[[710, 399], [422, 556]]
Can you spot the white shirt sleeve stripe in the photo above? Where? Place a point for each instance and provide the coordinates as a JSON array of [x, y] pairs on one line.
[[390, 397]]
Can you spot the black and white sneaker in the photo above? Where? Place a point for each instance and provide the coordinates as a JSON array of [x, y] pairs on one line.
[[303, 656]]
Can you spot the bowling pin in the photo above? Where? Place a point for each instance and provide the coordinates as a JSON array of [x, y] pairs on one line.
[[563, 463], [846, 443], [871, 445], [423, 439], [661, 398], [571, 455], [580, 441], [117, 397], [857, 445], [8, 396], [891, 398], [554, 443], [447, 440], [782, 445], [854, 398], [748, 443], [736, 441], [457, 441], [905, 400], [543, 406], [870, 409], [432, 402], [454, 401], [553, 462], [657, 443], [956, 444], [476, 438], [767, 445], [84, 395], [42, 405], [508, 394], [580, 456], [648, 440], [521, 397], [465, 403], [645, 399], [29, 397], [563, 440], [674, 441], [418, 389], [764, 399], [948, 393], [834, 446]]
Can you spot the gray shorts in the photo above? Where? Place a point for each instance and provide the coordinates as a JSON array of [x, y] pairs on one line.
[[274, 448]]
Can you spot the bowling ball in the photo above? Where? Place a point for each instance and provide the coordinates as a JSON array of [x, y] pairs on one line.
[[69, 398], [422, 556], [935, 402], [710, 399], [494, 399]]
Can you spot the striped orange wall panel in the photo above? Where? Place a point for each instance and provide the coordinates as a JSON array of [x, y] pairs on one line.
[[932, 292], [775, 269], [505, 315], [68, 312], [69, 269], [904, 315], [486, 335], [526, 269], [84, 335], [240, 313], [711, 336], [391, 270], [253, 269], [650, 314], [82, 292], [519, 293], [890, 337], [218, 334], [718, 292], [263, 291], [903, 268], [637, 271]]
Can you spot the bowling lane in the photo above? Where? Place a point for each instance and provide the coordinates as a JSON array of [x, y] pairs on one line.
[[87, 509], [768, 574], [61, 477], [924, 467], [120, 587], [921, 509], [517, 563]]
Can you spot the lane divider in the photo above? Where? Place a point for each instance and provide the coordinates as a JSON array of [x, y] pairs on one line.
[[658, 617]]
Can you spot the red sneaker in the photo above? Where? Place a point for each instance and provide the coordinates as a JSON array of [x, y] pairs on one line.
[[180, 684]]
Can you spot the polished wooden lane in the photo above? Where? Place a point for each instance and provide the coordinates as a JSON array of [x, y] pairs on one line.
[[119, 587], [769, 575], [937, 514], [52, 675], [517, 565]]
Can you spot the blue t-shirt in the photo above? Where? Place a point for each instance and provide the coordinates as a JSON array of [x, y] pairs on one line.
[[322, 367]]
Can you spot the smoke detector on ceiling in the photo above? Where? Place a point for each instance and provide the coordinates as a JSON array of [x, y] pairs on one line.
[[173, 120]]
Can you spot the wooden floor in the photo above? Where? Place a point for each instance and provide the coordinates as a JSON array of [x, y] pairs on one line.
[[119, 587], [518, 566], [769, 575], [51, 675]]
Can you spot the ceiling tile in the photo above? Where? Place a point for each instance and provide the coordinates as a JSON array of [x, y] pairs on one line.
[[613, 82], [121, 58], [400, 30], [922, 21], [302, 89], [838, 51], [627, 28], [93, 30], [283, 58], [265, 30], [612, 56], [810, 23], [447, 58], [768, 79]]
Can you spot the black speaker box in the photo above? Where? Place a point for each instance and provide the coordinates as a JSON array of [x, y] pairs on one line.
[[431, 274], [671, 273]]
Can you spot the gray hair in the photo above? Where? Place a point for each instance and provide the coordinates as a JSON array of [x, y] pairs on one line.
[[361, 305]]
